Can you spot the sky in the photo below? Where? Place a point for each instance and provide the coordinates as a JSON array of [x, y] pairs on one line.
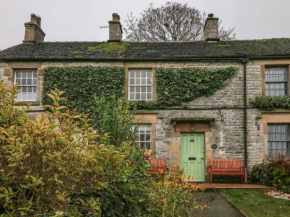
[[79, 20]]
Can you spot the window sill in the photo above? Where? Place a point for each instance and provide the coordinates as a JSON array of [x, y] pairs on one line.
[[25, 103]]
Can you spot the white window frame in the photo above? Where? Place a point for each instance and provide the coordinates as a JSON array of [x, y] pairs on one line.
[[26, 85], [145, 141], [135, 85]]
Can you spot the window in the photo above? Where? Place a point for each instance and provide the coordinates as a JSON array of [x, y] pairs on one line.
[[143, 136], [278, 139], [276, 81], [27, 83], [140, 84]]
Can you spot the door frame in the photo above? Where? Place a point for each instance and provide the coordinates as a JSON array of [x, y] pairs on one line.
[[204, 153]]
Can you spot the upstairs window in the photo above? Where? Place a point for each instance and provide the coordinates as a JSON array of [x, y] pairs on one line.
[[276, 81], [26, 81], [140, 85], [278, 139]]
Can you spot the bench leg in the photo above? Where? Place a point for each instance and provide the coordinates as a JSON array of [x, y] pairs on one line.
[[245, 178], [210, 178]]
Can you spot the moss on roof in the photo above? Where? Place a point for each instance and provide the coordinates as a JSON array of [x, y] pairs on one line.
[[147, 50]]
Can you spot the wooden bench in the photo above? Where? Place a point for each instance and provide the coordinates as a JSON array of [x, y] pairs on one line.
[[158, 166], [226, 167]]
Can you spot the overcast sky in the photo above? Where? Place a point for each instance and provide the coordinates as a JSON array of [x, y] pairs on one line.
[[79, 20]]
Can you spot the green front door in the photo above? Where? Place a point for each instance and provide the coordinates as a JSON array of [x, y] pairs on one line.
[[192, 155]]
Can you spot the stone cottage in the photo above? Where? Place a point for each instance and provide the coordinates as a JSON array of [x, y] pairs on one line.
[[220, 125]]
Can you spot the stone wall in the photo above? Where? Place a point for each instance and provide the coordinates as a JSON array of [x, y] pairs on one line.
[[226, 106]]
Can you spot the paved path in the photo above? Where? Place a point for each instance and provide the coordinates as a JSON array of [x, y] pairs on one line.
[[219, 206], [233, 186]]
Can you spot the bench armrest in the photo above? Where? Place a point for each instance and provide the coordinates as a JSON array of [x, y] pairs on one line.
[[209, 168]]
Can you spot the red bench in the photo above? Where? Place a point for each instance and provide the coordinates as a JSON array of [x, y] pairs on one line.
[[226, 167], [158, 166]]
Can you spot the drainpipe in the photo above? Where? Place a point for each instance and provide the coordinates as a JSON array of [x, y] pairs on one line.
[[244, 62]]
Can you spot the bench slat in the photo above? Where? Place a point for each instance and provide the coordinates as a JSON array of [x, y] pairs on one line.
[[226, 167]]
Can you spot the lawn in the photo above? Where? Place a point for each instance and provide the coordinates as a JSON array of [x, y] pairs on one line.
[[254, 203]]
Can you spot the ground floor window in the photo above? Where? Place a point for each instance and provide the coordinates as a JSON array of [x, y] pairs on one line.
[[278, 139], [143, 136]]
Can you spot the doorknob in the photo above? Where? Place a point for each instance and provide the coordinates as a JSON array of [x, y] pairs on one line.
[[202, 158]]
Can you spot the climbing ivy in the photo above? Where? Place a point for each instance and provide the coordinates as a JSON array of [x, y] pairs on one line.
[[81, 83], [271, 102], [173, 86]]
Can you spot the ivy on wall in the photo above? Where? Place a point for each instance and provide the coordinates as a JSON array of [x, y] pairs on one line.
[[173, 86], [81, 83], [271, 102]]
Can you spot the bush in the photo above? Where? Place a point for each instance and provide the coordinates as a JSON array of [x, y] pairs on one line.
[[113, 119], [275, 171], [270, 102], [54, 165]]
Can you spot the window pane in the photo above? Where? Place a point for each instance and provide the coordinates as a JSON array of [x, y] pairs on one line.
[[278, 138], [276, 89], [27, 82], [276, 81], [143, 138], [276, 74], [143, 96], [140, 84]]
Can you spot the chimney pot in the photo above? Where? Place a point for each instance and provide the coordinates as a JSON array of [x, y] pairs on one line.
[[33, 31], [210, 30], [38, 20], [115, 29], [116, 17]]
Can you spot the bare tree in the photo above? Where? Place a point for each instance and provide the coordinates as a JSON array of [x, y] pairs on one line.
[[170, 22]]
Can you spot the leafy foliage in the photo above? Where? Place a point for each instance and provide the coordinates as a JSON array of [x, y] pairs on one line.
[[113, 119], [274, 172], [175, 86], [82, 83], [271, 102], [53, 165], [170, 22]]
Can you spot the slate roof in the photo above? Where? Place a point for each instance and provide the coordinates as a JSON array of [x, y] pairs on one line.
[[266, 48]]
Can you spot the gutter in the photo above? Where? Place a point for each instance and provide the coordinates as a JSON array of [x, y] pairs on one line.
[[244, 61]]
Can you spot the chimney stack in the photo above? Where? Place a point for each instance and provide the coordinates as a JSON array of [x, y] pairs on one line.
[[115, 29], [211, 29], [33, 31]]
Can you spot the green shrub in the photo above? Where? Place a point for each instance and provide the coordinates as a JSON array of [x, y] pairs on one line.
[[275, 171], [56, 166], [113, 118], [271, 102], [53, 165]]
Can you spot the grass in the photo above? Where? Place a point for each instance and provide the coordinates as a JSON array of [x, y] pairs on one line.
[[254, 203]]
